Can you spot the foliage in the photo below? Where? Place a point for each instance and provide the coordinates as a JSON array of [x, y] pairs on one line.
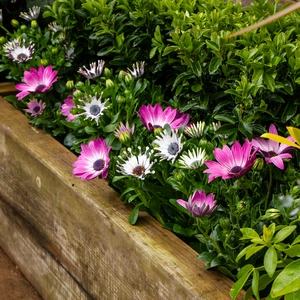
[[176, 54]]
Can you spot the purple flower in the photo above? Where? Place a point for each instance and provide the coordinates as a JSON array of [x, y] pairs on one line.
[[231, 163], [272, 151], [199, 205], [36, 81], [93, 160], [67, 107], [156, 117], [35, 108]]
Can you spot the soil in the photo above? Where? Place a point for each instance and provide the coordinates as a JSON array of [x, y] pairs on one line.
[[13, 285]]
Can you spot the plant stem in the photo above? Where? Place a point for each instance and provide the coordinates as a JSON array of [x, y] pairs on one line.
[[269, 187]]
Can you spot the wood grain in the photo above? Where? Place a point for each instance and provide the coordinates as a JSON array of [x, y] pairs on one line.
[[83, 224]]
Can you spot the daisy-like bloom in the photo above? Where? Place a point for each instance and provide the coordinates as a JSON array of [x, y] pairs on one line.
[[232, 163], [136, 165], [33, 14], [138, 69], [272, 151], [70, 53], [17, 50], [93, 160], [193, 159], [199, 205], [36, 81], [67, 107], [168, 145], [294, 132], [95, 70], [195, 130], [124, 133], [94, 109], [55, 27], [35, 108], [155, 117]]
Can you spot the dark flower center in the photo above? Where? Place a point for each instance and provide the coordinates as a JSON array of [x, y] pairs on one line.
[[138, 170], [173, 148], [236, 169], [39, 88], [95, 110], [272, 153], [98, 165], [37, 108], [22, 57]]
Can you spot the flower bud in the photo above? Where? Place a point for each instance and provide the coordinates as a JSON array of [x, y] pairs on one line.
[[121, 75], [70, 84], [107, 73], [79, 85], [38, 36], [179, 176], [34, 24], [295, 189], [2, 40], [109, 83], [124, 137], [14, 23], [225, 224], [78, 94], [259, 164], [272, 213], [54, 50], [241, 206], [44, 62], [23, 27], [120, 99], [128, 79]]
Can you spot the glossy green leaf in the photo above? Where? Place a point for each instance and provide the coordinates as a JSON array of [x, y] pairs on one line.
[[270, 261], [214, 65], [238, 285], [283, 233]]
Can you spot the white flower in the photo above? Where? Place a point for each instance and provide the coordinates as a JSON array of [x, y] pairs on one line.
[[94, 109], [94, 71], [168, 145], [193, 160], [33, 14], [138, 69], [136, 165], [18, 51], [195, 130]]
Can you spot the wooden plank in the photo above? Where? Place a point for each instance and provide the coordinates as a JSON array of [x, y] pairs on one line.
[[84, 224], [39, 267], [7, 88]]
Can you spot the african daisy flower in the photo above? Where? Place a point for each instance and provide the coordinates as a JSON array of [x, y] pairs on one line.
[[272, 151], [138, 69], [67, 107], [33, 14], [94, 71], [199, 205], [35, 108], [94, 109], [18, 51], [93, 160], [124, 133], [136, 165], [194, 159], [168, 145], [195, 130], [232, 163], [36, 81], [155, 117]]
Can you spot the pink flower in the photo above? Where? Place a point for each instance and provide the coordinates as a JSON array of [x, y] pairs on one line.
[[67, 107], [36, 81], [199, 205], [231, 163], [93, 160], [35, 108], [156, 117], [272, 151]]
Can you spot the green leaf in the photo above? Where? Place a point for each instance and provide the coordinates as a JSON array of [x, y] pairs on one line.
[[287, 281], [289, 111], [214, 64], [255, 282], [296, 240], [253, 251], [270, 261], [269, 81], [246, 129], [236, 288], [292, 296], [134, 214], [293, 251], [212, 45], [283, 233]]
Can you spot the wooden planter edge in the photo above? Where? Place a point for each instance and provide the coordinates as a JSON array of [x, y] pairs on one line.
[[80, 229]]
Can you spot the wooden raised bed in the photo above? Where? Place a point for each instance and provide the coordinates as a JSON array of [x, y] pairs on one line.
[[71, 239]]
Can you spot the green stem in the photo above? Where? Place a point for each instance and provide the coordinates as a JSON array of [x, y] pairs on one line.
[[269, 187], [207, 236]]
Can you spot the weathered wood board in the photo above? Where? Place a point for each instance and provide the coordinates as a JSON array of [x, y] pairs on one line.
[[83, 226]]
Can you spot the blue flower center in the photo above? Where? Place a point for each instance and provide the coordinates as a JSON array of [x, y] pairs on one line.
[[236, 169], [173, 148], [39, 88], [138, 170], [22, 57], [98, 165], [37, 108], [95, 110]]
